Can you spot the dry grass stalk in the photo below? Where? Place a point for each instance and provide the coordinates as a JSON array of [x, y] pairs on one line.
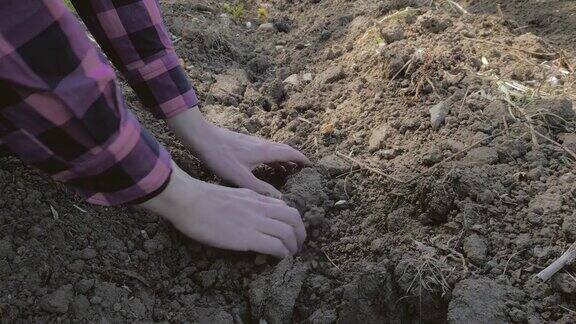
[[368, 167], [466, 149], [458, 6], [549, 56]]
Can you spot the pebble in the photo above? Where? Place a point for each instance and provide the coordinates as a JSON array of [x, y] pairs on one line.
[[334, 165], [267, 27], [438, 114], [342, 204], [308, 77], [432, 157], [294, 80], [378, 138], [388, 154], [331, 75]]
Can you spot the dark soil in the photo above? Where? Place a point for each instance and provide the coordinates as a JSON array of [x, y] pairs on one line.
[[445, 176]]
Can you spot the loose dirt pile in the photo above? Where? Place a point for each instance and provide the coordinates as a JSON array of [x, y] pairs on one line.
[[445, 176]]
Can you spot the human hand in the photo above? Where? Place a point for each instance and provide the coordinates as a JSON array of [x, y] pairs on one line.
[[229, 218], [233, 156]]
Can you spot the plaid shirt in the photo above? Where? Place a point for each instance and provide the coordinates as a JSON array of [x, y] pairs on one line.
[[60, 107]]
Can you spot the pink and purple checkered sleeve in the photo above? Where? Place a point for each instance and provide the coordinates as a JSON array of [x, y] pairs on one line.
[[62, 112], [134, 38]]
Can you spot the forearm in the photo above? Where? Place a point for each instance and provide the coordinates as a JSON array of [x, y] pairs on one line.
[[134, 38], [65, 115]]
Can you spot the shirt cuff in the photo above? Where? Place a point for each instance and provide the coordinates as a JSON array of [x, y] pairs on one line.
[[133, 167], [162, 85]]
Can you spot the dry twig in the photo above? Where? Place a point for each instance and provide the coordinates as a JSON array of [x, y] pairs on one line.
[[557, 265]]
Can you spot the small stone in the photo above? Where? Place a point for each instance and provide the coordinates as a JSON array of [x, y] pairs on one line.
[[58, 301], [388, 154], [307, 77], [331, 75], [342, 204], [431, 157], [475, 248], [267, 27], [378, 137], [483, 155], [438, 114], [294, 80], [334, 165], [541, 252], [229, 87]]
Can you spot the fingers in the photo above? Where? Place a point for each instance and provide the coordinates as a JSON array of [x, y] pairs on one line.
[[267, 244], [282, 153], [289, 216], [261, 198], [280, 230], [249, 180]]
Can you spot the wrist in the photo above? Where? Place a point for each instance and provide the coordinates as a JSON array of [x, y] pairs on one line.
[[189, 122], [179, 183]]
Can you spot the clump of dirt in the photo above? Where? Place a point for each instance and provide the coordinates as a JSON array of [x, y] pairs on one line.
[[475, 299], [273, 296], [445, 177]]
